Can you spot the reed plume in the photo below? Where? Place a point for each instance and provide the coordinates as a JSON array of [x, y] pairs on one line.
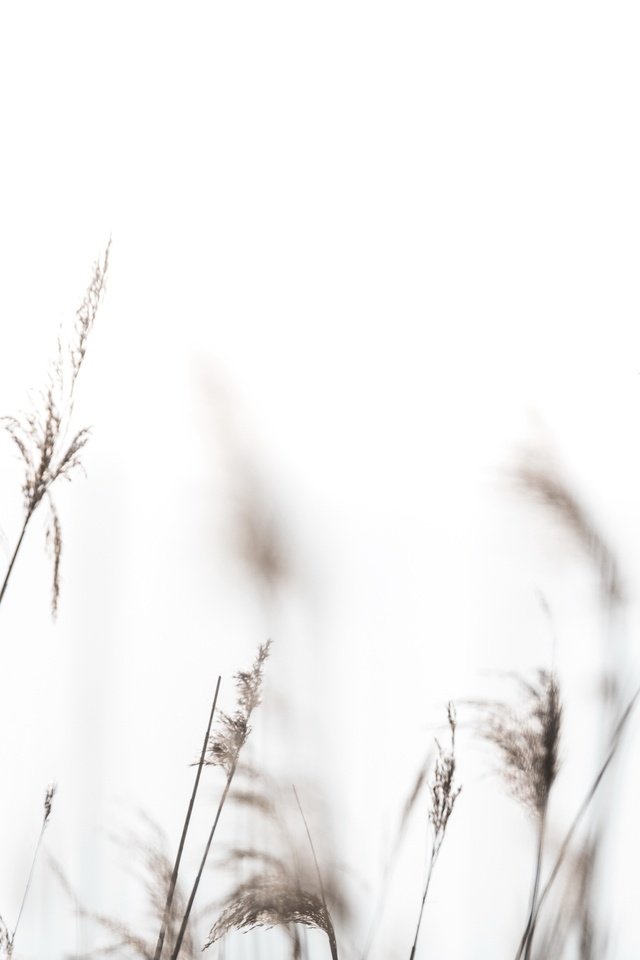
[[234, 729], [539, 475], [41, 434], [527, 740], [224, 751], [278, 893], [271, 900]]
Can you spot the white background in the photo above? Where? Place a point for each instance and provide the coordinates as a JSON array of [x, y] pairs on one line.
[[360, 252]]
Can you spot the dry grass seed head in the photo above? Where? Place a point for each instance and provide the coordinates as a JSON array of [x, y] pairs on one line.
[[270, 900], [48, 801], [538, 474], [444, 792], [528, 740], [226, 744]]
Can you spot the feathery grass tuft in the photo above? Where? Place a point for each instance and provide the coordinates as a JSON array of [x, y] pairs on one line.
[[225, 746], [527, 740], [41, 434], [271, 900]]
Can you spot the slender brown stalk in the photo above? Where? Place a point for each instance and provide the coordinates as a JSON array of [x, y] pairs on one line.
[[313, 849], [185, 828], [48, 800], [527, 936], [444, 794], [536, 886], [329, 925], [432, 863], [196, 883], [5, 582], [41, 436], [411, 800]]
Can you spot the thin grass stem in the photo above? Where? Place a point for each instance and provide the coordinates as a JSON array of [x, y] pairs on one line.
[[531, 920], [185, 828], [45, 819], [330, 934], [527, 936], [432, 862], [5, 582], [196, 883]]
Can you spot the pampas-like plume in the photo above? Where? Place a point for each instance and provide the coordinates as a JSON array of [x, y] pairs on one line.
[[527, 937], [41, 434], [185, 829], [285, 886], [528, 740], [271, 900], [226, 744]]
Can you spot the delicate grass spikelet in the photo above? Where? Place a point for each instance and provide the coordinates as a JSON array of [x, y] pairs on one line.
[[444, 793]]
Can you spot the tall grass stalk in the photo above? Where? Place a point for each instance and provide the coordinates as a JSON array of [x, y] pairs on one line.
[[527, 936], [185, 829], [196, 883], [444, 794], [41, 434], [330, 932]]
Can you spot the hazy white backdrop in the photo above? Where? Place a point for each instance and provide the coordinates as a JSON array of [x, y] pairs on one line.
[[360, 251]]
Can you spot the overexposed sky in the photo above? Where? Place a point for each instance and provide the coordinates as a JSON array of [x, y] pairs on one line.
[[360, 251]]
